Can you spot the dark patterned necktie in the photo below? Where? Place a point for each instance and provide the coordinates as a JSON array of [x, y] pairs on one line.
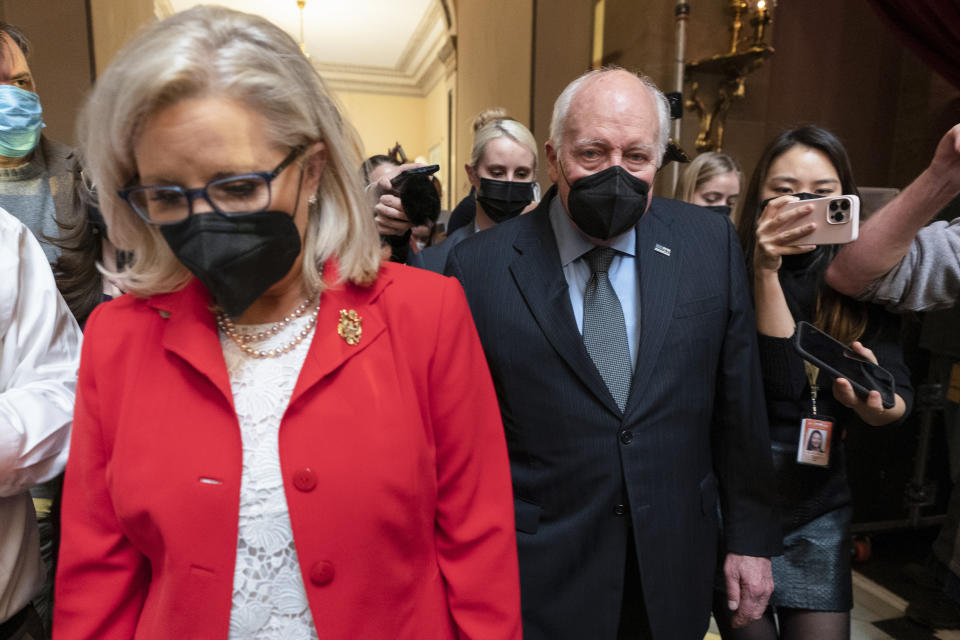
[[604, 329]]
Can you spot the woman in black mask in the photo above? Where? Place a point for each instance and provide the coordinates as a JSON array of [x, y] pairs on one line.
[[712, 180], [261, 446], [502, 172], [813, 592]]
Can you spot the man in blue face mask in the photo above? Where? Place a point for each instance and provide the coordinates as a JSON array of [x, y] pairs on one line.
[[619, 332], [36, 174]]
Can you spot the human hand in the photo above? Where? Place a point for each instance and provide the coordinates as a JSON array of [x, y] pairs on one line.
[[946, 159], [749, 585], [388, 212], [772, 241], [870, 409]]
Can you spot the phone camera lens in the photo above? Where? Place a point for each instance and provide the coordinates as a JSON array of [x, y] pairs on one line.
[[833, 205], [844, 205]]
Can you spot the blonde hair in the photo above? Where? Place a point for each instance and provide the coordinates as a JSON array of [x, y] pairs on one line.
[[212, 51], [701, 170], [494, 123]]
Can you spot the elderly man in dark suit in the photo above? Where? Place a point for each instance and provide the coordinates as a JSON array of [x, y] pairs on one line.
[[619, 332]]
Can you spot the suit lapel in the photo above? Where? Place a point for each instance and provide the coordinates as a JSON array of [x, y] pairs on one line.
[[658, 274], [537, 271], [191, 333]]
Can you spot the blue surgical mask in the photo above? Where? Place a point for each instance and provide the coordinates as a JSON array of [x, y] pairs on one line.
[[21, 119]]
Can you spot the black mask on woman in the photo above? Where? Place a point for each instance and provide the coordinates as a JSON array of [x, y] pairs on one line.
[[607, 203], [722, 209], [504, 199], [236, 258]]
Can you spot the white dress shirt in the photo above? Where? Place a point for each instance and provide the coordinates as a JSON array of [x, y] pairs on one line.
[[39, 356]]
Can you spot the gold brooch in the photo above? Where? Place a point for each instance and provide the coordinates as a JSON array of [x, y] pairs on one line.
[[350, 327]]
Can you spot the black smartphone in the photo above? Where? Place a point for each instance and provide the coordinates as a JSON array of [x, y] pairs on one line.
[[840, 361]]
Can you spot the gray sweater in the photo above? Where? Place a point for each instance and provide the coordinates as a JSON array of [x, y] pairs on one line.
[[927, 277]]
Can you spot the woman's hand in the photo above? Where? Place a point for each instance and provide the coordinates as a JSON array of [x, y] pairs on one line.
[[870, 409], [772, 241], [389, 215]]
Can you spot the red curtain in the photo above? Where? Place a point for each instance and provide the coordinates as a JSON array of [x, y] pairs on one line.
[[930, 28]]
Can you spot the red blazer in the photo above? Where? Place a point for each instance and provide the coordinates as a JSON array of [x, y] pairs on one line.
[[393, 455]]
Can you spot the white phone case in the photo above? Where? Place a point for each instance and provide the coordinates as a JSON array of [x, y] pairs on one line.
[[837, 218]]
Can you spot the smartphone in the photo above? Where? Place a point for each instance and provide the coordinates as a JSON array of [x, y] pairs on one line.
[[837, 218], [840, 361]]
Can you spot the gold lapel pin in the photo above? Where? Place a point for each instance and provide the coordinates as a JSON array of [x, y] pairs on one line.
[[350, 327]]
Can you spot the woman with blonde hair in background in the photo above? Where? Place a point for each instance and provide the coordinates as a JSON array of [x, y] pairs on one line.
[[261, 446], [712, 180], [502, 172]]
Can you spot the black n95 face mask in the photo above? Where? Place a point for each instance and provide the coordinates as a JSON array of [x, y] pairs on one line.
[[504, 199], [236, 258], [607, 203]]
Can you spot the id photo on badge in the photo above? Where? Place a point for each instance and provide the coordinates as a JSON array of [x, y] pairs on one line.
[[814, 445]]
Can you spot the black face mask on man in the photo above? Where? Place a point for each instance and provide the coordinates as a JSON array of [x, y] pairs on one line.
[[238, 257], [504, 199], [607, 203]]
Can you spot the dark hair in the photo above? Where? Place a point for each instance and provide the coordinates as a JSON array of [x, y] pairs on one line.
[[840, 316], [17, 35], [808, 136], [372, 163], [80, 242], [815, 432]]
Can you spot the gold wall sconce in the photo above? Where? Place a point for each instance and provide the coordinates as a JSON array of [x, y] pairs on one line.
[[719, 80]]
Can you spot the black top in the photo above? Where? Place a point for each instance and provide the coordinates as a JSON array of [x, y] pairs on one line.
[[805, 491], [463, 213]]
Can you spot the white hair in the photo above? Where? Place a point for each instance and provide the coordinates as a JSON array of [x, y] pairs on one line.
[[213, 51], [562, 105]]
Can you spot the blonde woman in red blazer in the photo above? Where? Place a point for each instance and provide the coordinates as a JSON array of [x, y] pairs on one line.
[[265, 349]]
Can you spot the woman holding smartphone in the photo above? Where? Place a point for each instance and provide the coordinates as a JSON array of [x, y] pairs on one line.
[[813, 594]]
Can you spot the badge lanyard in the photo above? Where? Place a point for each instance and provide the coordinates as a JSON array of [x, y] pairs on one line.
[[815, 441]]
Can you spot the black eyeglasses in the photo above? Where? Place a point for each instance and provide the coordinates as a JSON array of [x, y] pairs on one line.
[[231, 196]]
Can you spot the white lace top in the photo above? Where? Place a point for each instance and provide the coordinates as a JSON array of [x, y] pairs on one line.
[[269, 600]]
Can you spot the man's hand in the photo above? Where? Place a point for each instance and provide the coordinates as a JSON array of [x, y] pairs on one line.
[[946, 159], [885, 238], [749, 585]]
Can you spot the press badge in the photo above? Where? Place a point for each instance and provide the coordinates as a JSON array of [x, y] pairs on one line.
[[813, 448], [815, 439]]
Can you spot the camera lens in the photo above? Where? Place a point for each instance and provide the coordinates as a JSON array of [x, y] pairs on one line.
[[833, 205], [844, 205]]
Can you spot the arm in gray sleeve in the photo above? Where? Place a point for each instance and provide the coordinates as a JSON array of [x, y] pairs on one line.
[[927, 277]]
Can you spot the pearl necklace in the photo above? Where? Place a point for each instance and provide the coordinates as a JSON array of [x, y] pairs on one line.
[[245, 340]]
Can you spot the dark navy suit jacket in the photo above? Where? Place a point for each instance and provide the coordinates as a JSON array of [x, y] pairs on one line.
[[694, 433], [435, 258]]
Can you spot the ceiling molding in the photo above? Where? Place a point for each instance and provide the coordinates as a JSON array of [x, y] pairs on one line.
[[428, 56], [418, 69]]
